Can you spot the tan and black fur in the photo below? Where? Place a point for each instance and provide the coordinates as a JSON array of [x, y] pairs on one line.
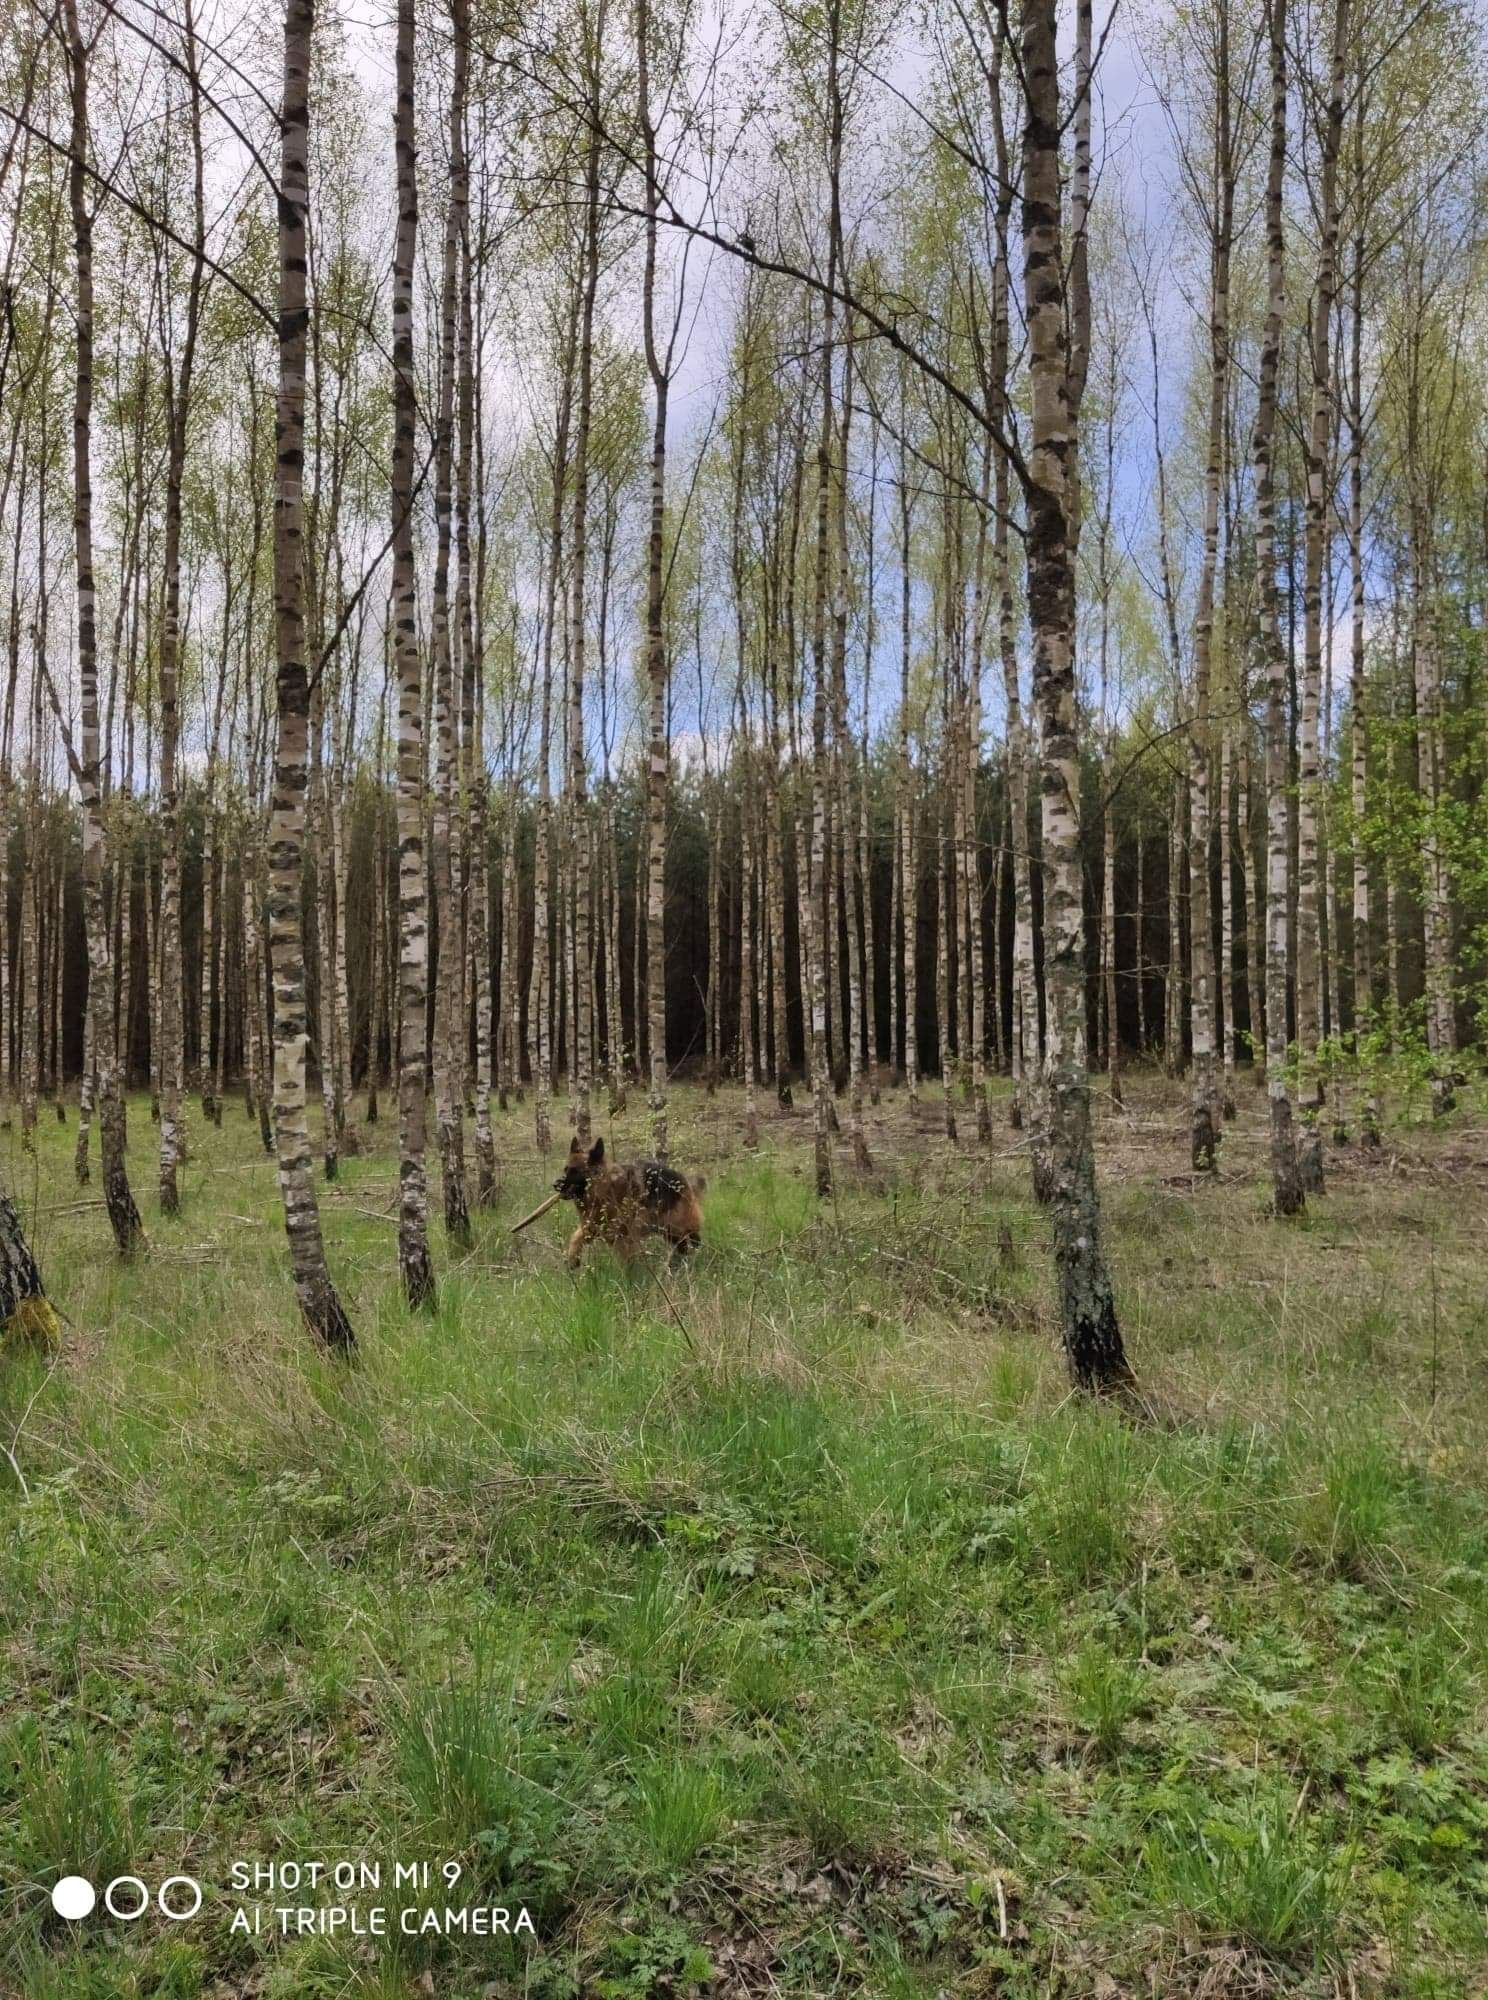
[[623, 1206]]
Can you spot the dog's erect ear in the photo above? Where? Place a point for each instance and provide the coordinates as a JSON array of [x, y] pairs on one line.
[[575, 1150], [596, 1153]]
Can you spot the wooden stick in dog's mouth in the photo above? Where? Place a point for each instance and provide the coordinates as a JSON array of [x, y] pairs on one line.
[[541, 1209]]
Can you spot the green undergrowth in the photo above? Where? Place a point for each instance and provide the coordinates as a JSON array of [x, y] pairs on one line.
[[777, 1625]]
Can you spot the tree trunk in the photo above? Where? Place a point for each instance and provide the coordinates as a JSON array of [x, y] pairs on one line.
[[322, 1308], [944, 994], [123, 1215], [26, 1313], [581, 1037], [1092, 1335], [414, 1262], [1204, 1127], [1286, 1180], [1317, 539], [449, 1040], [1358, 691]]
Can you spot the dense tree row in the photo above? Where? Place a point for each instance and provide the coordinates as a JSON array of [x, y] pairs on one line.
[[636, 549]]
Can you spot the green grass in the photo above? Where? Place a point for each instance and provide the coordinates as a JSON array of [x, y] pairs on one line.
[[776, 1625]]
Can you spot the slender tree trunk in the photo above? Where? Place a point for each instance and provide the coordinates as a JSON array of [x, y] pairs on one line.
[[658, 753], [340, 970], [319, 846], [212, 948], [944, 995], [414, 1262], [449, 1066], [971, 865], [1092, 1335], [123, 1215], [1441, 1037], [253, 905], [1310, 877], [1025, 1034], [748, 1059], [1173, 984], [908, 872], [1139, 950], [814, 903], [322, 1308], [1254, 899], [1205, 1129], [614, 1006], [86, 1098], [1358, 690], [851, 897], [510, 1075], [470, 627], [1288, 1195], [1108, 951], [1227, 914], [31, 951], [581, 1037]]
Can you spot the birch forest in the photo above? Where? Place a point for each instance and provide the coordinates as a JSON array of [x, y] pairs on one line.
[[882, 610]]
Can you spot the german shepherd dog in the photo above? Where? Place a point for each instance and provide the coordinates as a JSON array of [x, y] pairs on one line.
[[622, 1206]]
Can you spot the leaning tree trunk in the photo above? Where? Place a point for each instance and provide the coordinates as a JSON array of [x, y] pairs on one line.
[[322, 1308], [123, 1215], [26, 1313]]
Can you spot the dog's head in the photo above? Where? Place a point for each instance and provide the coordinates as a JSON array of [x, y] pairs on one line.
[[578, 1170]]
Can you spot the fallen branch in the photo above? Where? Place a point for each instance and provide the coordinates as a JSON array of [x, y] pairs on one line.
[[541, 1209]]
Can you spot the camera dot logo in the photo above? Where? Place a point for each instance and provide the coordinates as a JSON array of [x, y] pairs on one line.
[[73, 1897], [178, 1897]]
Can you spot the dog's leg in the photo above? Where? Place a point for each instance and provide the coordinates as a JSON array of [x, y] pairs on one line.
[[628, 1244], [683, 1246], [575, 1250]]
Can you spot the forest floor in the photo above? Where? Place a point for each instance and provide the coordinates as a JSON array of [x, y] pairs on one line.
[[781, 1626]]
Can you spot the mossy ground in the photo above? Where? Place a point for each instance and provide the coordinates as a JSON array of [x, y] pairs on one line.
[[780, 1626]]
